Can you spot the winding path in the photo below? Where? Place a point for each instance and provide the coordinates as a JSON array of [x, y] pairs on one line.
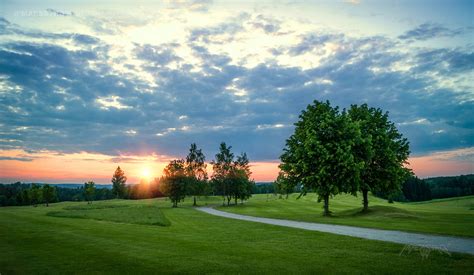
[[443, 243]]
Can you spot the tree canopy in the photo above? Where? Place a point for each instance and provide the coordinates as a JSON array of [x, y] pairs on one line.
[[231, 177], [118, 183], [89, 191], [48, 194], [384, 151], [196, 172], [320, 153], [173, 183]]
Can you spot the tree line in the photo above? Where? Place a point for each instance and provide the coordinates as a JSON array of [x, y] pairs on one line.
[[230, 178], [188, 177], [415, 189], [17, 194]]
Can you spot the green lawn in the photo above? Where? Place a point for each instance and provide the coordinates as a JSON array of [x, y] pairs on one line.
[[149, 236], [453, 216]]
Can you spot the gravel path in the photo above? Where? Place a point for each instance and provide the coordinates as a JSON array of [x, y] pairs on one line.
[[442, 243]]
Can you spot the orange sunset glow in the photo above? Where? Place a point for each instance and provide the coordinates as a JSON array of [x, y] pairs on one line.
[[82, 93], [79, 167]]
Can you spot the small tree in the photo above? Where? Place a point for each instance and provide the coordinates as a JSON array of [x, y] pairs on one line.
[[221, 167], [384, 152], [284, 185], [49, 194], [89, 191], [319, 154], [173, 183], [118, 183], [196, 172], [35, 194], [242, 180]]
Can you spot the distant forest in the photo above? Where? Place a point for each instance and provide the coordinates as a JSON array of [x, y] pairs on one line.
[[414, 189]]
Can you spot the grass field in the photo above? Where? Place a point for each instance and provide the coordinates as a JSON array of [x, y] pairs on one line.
[[149, 236], [454, 216]]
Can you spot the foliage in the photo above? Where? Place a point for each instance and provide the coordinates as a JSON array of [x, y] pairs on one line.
[[284, 185], [144, 190], [320, 153], [89, 191], [231, 178], [382, 149], [447, 187], [174, 181], [196, 172], [35, 194], [49, 194], [415, 189], [221, 168], [118, 183]]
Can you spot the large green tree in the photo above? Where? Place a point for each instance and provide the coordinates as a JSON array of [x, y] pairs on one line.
[[89, 191], [196, 172], [384, 152], [118, 183], [319, 154], [174, 181]]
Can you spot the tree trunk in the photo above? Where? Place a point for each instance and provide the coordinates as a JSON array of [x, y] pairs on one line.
[[286, 195], [365, 200], [47, 204], [194, 201], [175, 204], [326, 206], [235, 199]]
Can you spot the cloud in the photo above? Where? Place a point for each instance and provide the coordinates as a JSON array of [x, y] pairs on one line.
[[427, 31], [15, 158], [465, 154], [353, 2], [191, 5], [59, 13], [160, 97]]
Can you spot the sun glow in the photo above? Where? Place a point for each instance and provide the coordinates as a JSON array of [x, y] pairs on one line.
[[146, 174]]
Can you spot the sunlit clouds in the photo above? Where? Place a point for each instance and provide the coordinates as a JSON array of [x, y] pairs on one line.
[[87, 87]]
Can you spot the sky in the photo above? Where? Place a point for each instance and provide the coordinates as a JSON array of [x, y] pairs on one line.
[[86, 86]]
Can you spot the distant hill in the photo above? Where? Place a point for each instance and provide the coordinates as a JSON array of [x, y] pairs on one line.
[[77, 185], [69, 185]]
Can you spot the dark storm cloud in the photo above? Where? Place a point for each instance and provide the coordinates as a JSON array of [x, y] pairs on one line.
[[58, 101]]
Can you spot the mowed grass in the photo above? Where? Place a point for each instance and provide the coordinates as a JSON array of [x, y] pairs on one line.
[[33, 241], [114, 212], [454, 216]]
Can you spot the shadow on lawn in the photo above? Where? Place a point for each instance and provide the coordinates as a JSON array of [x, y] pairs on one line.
[[376, 211]]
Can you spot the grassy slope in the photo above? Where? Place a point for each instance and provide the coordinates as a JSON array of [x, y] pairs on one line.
[[194, 242], [448, 216]]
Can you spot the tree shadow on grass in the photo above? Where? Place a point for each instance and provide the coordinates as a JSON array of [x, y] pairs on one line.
[[377, 211]]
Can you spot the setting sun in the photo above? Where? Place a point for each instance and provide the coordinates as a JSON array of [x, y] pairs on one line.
[[146, 173]]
